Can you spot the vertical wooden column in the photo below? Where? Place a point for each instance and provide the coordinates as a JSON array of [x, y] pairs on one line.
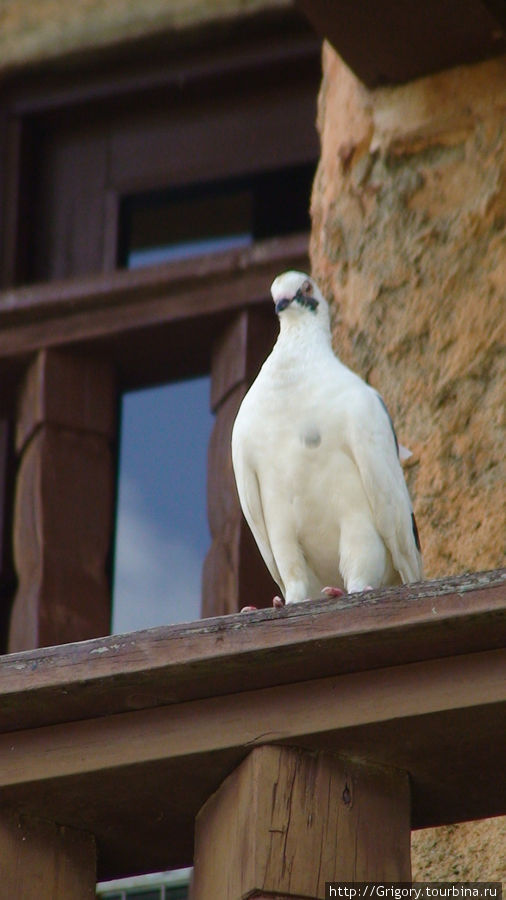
[[45, 861], [234, 572], [64, 501], [286, 821]]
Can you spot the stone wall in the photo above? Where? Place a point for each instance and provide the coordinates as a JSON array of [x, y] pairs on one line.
[[409, 244]]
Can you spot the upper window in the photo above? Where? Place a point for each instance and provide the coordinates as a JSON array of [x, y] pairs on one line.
[[208, 217]]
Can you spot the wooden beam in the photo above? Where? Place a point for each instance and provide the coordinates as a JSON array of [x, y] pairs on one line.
[[41, 859], [175, 663], [97, 775], [286, 821], [142, 321], [147, 66], [391, 42], [300, 713], [64, 499], [169, 757]]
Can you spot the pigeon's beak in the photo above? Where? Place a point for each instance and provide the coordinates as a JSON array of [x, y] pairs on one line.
[[282, 304]]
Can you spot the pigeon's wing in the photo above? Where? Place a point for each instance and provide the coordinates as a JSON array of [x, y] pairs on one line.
[[374, 447], [402, 452], [250, 498]]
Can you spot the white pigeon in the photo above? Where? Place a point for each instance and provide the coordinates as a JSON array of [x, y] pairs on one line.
[[316, 462]]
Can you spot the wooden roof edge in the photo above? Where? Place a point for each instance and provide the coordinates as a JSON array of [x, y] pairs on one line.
[[230, 654]]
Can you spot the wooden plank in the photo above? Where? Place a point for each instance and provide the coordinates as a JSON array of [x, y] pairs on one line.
[[463, 614], [96, 774], [299, 712], [142, 321], [41, 860], [148, 67], [287, 821], [45, 301]]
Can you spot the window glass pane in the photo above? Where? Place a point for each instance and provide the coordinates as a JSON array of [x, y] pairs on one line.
[[162, 534], [179, 223], [188, 225]]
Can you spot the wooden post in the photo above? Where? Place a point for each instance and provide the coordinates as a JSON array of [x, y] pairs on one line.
[[44, 861], [234, 573], [64, 501], [286, 821]]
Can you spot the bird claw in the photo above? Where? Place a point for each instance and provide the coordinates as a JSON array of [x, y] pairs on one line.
[[246, 609], [332, 592]]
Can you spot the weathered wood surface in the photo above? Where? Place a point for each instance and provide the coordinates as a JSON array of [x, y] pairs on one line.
[[286, 821], [461, 614], [44, 861]]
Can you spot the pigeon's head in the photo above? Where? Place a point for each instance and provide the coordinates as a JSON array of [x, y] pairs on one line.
[[297, 293]]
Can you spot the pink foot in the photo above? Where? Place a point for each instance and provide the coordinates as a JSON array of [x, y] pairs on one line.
[[277, 602], [332, 592]]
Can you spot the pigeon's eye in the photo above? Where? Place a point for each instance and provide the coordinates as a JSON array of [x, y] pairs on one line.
[[306, 288]]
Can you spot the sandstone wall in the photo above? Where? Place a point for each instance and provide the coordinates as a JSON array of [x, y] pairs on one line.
[[409, 244]]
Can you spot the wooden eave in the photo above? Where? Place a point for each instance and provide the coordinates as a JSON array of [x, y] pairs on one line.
[[392, 42], [127, 736]]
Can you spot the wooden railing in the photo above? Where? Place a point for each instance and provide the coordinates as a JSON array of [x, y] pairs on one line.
[[305, 743]]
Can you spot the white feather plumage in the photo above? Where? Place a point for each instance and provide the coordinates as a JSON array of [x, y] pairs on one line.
[[316, 462]]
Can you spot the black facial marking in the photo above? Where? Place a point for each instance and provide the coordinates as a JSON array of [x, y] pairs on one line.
[[305, 300], [282, 304]]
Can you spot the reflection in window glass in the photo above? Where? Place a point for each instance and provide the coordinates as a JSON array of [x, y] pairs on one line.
[[162, 534]]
